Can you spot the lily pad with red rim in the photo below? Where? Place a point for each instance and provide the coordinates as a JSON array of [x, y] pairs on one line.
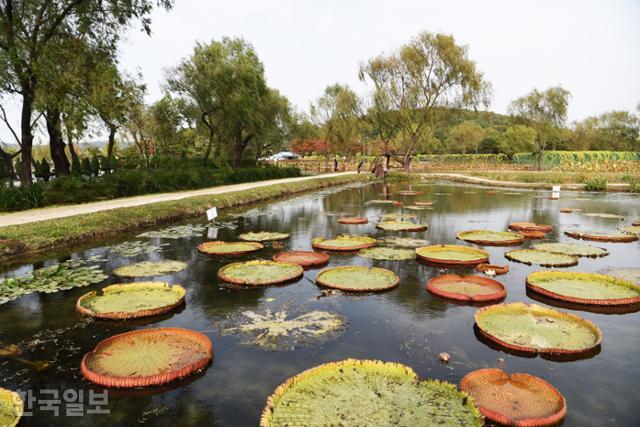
[[452, 255], [542, 258], [497, 269], [602, 236], [573, 249], [467, 288], [584, 288], [263, 236], [260, 272], [530, 226], [409, 193], [631, 229], [128, 301], [358, 279], [532, 328], [515, 399], [353, 220], [229, 248], [367, 392], [401, 226], [147, 357], [428, 203], [303, 258]]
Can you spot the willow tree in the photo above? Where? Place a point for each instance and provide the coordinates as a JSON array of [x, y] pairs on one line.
[[30, 28], [411, 84], [545, 112]]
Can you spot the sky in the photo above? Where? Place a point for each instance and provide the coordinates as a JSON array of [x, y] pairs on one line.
[[592, 48]]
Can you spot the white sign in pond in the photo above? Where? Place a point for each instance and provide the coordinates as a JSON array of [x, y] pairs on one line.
[[212, 214]]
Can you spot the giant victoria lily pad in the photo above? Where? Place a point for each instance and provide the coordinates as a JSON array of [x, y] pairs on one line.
[[379, 202], [631, 229], [409, 193], [603, 215], [280, 330], [125, 301], [515, 399], [11, 408], [353, 220], [400, 226], [176, 232], [628, 274], [573, 249], [148, 268], [402, 242], [303, 258], [147, 357], [542, 258], [602, 236], [467, 288], [343, 243], [229, 248], [530, 226], [398, 217], [260, 272], [387, 254], [491, 238], [367, 392], [453, 255], [584, 288], [358, 279], [533, 328], [263, 236]]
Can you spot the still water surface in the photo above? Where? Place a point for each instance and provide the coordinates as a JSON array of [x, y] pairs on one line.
[[406, 325]]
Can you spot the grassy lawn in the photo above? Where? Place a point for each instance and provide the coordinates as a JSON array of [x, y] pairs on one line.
[[556, 177], [56, 233]]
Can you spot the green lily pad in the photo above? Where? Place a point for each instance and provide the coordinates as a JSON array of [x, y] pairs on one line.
[[11, 408], [358, 279], [125, 301], [584, 288], [367, 393], [229, 248], [542, 258], [400, 226], [343, 243], [134, 248], [379, 202], [398, 217], [260, 272], [391, 254], [148, 268], [263, 236], [603, 215], [631, 229], [402, 242], [455, 255], [280, 330], [602, 236], [573, 249], [628, 274], [176, 232], [537, 329], [490, 238]]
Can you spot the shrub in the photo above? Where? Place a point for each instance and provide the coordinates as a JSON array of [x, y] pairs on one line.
[[596, 184]]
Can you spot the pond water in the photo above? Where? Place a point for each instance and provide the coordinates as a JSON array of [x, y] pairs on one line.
[[406, 325]]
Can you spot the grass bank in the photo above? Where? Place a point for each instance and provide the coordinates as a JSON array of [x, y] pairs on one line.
[[49, 235], [556, 177]]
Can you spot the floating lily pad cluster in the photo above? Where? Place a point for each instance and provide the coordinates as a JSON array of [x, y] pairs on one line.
[[149, 268], [59, 277], [281, 330], [135, 248], [176, 232], [367, 392]]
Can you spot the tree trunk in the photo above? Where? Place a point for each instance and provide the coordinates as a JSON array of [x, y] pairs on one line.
[[56, 143], [239, 147], [26, 177], [112, 141]]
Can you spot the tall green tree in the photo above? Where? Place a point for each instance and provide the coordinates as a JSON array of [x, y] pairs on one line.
[[465, 137], [412, 83], [545, 112], [30, 28]]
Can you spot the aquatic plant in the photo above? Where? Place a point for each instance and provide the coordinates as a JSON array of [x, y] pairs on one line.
[[530, 226], [536, 329], [409, 193], [584, 288], [379, 202], [574, 249], [126, 301], [260, 272], [229, 248], [602, 236], [398, 217], [400, 226], [517, 399], [628, 274], [358, 279], [263, 236], [343, 243], [303, 258], [428, 203], [367, 392], [280, 330], [467, 288], [147, 357], [603, 215], [149, 268], [454, 255], [542, 258], [631, 229], [176, 232], [402, 242], [353, 220], [134, 248], [388, 254], [59, 277], [491, 238], [497, 269]]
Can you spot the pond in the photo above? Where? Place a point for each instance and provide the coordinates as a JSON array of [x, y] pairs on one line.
[[406, 324]]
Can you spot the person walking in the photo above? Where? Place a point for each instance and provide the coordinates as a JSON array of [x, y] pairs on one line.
[[335, 163], [360, 163]]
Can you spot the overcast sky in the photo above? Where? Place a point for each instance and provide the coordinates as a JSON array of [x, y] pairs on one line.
[[592, 48]]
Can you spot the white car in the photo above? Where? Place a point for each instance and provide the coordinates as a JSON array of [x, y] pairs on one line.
[[283, 155]]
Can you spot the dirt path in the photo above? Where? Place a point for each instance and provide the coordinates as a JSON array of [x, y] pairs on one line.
[[34, 215]]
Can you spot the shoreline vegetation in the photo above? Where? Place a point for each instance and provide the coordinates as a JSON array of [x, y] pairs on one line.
[[54, 234]]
